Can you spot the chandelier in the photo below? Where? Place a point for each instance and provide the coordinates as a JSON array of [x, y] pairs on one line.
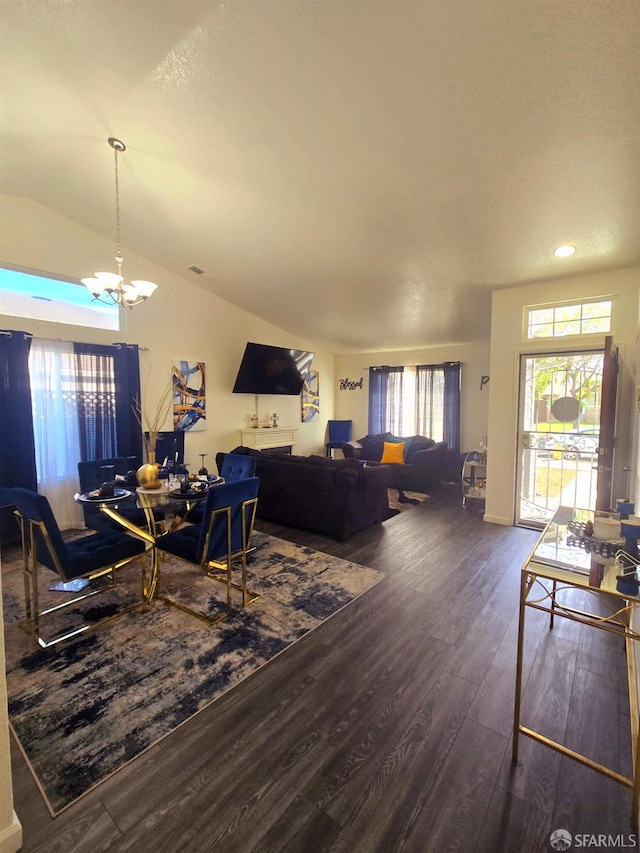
[[109, 287]]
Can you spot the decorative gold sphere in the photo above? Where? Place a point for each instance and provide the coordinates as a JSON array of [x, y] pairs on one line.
[[148, 476]]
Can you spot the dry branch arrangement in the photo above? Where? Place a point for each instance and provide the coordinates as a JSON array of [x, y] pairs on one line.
[[151, 419]]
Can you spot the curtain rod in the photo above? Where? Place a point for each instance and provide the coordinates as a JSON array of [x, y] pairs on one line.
[[396, 367], [9, 332], [131, 346]]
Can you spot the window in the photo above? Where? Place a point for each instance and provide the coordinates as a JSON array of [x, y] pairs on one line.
[[559, 321], [73, 401], [430, 402], [422, 400], [36, 296]]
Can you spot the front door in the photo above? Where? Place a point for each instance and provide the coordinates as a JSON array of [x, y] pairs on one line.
[[563, 403], [607, 426]]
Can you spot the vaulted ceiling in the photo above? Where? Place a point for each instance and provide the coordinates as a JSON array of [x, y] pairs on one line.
[[361, 172]]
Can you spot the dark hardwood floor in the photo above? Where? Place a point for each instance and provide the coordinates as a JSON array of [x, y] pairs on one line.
[[386, 729]]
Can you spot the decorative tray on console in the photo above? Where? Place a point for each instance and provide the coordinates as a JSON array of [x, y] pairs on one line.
[[580, 538]]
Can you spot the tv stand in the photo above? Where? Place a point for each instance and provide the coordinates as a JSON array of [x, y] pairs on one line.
[[269, 438]]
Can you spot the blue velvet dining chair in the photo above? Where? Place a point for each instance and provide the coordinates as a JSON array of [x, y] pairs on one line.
[[86, 559], [237, 467], [170, 446], [339, 434], [222, 537], [92, 474], [234, 467]]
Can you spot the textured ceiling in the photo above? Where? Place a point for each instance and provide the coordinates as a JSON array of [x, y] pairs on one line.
[[362, 173]]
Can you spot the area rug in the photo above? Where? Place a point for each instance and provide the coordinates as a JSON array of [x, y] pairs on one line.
[[82, 710], [411, 499]]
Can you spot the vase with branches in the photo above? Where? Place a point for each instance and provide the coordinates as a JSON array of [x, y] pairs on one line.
[[151, 418]]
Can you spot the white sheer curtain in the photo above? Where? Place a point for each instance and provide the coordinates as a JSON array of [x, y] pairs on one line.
[[409, 401], [430, 401], [55, 425]]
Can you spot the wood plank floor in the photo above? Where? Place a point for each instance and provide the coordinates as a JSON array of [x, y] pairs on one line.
[[386, 729]]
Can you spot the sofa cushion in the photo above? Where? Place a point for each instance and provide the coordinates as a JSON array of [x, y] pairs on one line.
[[393, 453], [397, 440], [417, 443], [372, 448], [326, 462]]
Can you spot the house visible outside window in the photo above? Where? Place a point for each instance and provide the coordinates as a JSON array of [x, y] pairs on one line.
[[558, 321], [36, 296]]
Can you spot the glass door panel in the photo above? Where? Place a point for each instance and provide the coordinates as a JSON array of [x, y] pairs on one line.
[[559, 432]]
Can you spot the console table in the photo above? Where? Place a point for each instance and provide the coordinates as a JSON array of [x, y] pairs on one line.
[[269, 438], [565, 559]]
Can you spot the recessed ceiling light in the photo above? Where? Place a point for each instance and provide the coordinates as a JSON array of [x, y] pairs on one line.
[[565, 251]]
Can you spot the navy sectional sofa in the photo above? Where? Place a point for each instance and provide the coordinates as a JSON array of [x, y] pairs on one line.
[[336, 497]]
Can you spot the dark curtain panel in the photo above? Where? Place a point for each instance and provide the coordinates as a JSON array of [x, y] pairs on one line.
[[17, 447], [95, 389], [108, 379], [128, 428], [378, 387], [452, 404]]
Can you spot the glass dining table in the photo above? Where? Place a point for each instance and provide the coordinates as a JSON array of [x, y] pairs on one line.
[[173, 499]]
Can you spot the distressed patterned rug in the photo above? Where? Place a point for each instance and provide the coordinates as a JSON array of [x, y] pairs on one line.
[[82, 710], [410, 499]]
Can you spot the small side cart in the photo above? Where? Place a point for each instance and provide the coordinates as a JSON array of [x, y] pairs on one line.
[[474, 480]]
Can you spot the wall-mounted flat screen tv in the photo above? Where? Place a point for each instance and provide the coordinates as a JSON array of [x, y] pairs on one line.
[[266, 369]]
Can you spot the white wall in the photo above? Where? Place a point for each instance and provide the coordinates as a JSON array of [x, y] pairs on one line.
[[506, 346], [354, 404], [180, 321]]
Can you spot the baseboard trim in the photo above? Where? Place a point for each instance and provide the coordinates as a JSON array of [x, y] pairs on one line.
[[498, 519], [11, 837]]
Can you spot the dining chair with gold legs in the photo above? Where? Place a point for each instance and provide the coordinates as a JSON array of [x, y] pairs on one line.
[[86, 559], [221, 538]]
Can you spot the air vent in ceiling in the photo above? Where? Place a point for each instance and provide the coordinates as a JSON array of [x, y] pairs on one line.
[[196, 269]]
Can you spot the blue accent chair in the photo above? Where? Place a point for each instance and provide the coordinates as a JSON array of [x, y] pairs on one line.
[[223, 535], [339, 434], [98, 555]]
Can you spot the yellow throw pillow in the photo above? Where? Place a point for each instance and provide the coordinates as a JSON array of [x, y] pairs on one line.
[[393, 453]]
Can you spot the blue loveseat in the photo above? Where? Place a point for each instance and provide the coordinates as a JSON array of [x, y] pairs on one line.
[[424, 466]]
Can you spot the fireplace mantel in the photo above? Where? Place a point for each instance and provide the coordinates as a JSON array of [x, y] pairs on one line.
[[270, 438]]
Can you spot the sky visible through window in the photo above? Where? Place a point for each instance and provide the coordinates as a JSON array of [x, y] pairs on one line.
[[36, 297]]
